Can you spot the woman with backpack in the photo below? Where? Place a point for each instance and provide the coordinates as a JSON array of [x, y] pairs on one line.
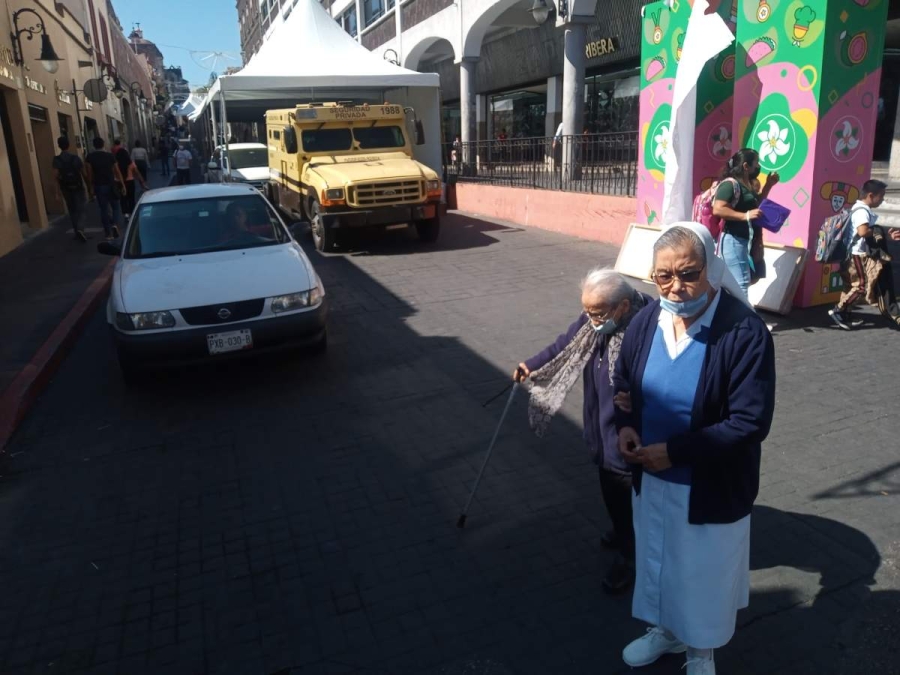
[[737, 205]]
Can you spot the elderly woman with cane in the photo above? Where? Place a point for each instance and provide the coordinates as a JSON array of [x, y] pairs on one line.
[[591, 345], [698, 366]]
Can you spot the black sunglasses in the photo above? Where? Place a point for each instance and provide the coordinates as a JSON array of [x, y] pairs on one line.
[[686, 277]]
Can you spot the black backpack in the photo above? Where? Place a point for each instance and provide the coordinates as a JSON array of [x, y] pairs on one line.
[[69, 173]]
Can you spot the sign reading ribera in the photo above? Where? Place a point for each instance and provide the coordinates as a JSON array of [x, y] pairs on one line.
[[600, 47]]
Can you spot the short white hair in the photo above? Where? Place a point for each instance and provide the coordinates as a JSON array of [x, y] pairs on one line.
[[608, 284]]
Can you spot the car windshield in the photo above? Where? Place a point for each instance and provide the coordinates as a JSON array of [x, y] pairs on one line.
[[247, 158], [379, 137], [194, 226], [326, 140]]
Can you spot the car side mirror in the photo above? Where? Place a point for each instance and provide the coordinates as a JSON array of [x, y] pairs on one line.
[[109, 248], [420, 133]]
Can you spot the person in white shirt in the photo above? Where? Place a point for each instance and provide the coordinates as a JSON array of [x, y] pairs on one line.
[[183, 158], [853, 270], [141, 159]]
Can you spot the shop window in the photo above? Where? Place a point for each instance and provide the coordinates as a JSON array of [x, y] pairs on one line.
[[348, 22], [612, 103], [372, 10]]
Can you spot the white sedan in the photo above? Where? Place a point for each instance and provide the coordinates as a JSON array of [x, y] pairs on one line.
[[209, 272]]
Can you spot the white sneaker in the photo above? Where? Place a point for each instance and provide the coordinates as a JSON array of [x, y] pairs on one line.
[[647, 649], [700, 665]]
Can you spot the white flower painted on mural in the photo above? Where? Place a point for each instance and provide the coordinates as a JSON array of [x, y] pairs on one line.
[[722, 146], [775, 143], [662, 140], [847, 140]]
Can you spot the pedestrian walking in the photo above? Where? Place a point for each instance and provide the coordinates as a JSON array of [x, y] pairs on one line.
[[123, 159], [591, 346], [698, 368], [861, 270], [105, 181], [132, 176], [141, 158], [737, 205], [68, 169], [183, 158], [164, 154]]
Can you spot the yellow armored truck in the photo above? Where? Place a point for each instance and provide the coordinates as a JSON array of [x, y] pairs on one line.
[[345, 166]]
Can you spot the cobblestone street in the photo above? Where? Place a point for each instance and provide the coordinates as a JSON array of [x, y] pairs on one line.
[[285, 516]]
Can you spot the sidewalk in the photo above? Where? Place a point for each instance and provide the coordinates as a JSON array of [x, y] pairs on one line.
[[41, 282]]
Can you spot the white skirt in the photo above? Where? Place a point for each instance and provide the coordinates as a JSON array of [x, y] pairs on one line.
[[690, 579]]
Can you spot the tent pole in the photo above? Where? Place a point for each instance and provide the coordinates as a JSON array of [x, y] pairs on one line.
[[215, 129], [224, 121]]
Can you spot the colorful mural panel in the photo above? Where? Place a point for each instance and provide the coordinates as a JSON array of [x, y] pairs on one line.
[[664, 29], [806, 81]]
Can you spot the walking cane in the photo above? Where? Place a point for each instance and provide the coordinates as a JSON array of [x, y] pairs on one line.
[[462, 516]]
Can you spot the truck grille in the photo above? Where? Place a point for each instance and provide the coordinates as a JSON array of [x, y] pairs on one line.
[[234, 311], [384, 194]]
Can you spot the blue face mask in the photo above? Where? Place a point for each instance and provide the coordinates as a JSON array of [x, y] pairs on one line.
[[605, 328], [687, 308]]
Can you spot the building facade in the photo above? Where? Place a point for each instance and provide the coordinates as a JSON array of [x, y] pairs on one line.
[[37, 106], [503, 74]]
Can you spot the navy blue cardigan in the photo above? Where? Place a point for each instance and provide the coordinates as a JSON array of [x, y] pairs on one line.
[[732, 410], [600, 433]]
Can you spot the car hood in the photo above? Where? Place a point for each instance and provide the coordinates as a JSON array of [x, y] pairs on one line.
[[253, 173], [345, 173], [157, 284]]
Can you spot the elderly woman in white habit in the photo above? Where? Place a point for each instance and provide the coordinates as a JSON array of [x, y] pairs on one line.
[[695, 388]]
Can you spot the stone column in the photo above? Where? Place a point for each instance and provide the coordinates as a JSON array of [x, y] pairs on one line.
[[467, 107], [554, 105], [573, 95]]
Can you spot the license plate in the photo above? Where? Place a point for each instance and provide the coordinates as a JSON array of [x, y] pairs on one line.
[[235, 341]]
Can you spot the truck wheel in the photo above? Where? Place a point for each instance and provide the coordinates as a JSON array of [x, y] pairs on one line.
[[323, 237], [429, 229]]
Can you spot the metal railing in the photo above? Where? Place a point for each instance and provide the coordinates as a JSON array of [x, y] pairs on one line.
[[593, 163]]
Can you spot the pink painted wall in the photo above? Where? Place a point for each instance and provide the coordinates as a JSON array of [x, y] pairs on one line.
[[596, 217]]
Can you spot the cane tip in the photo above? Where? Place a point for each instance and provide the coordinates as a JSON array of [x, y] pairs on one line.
[[461, 523]]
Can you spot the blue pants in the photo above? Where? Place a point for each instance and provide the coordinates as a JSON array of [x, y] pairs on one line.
[[107, 200], [736, 254]]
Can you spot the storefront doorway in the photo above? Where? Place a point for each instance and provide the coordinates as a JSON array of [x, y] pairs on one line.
[[45, 151], [15, 172]]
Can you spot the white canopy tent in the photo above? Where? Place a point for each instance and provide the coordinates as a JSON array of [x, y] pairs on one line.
[[311, 58]]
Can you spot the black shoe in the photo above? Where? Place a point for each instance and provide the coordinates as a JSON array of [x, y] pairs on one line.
[[839, 318], [81, 236], [610, 540], [620, 576], [115, 231]]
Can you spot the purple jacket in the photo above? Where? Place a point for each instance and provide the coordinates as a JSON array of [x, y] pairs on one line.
[[600, 432]]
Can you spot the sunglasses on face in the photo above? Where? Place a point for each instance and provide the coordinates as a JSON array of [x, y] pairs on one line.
[[664, 278]]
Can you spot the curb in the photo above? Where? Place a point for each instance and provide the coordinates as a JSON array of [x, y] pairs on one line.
[[23, 391]]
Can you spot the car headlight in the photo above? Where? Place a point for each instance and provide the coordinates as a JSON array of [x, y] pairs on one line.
[[433, 186], [147, 320], [295, 301], [334, 194]]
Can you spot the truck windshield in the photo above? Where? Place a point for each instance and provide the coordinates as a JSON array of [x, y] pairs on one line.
[[246, 158], [326, 140], [379, 137]]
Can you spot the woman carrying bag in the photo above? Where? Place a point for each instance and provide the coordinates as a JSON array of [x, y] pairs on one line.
[[741, 243]]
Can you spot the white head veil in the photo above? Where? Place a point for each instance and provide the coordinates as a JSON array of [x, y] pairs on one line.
[[716, 271]]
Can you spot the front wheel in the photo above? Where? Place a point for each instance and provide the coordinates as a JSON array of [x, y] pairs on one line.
[[429, 230], [323, 237]]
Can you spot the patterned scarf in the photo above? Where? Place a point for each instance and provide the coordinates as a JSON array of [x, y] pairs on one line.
[[549, 385]]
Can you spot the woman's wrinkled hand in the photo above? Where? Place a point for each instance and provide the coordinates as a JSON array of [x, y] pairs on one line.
[[521, 373], [622, 401], [629, 444], [655, 457]]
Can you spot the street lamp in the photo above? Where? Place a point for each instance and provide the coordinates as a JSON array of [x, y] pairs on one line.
[[540, 11], [48, 58]]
